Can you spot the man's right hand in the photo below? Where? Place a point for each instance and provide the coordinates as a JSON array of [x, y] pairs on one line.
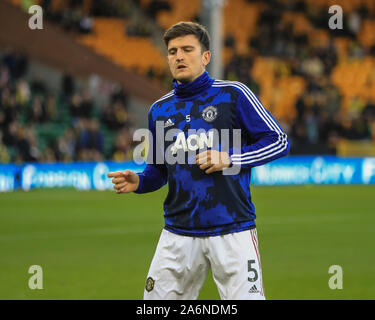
[[124, 181]]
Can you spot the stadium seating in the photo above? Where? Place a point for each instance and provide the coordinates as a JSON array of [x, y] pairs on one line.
[[355, 78], [367, 34], [109, 38], [347, 5], [179, 11], [240, 20], [281, 78], [279, 94]]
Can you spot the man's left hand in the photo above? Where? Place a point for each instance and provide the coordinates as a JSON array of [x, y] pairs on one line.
[[212, 160]]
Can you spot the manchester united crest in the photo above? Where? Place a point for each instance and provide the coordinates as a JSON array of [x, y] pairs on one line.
[[149, 284], [209, 113]]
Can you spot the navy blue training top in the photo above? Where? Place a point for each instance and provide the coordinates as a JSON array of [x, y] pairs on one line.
[[200, 115]]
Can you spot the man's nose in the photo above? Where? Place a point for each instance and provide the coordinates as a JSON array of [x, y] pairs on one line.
[[179, 55]]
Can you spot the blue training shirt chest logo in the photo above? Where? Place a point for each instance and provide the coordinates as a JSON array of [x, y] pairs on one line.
[[209, 113]]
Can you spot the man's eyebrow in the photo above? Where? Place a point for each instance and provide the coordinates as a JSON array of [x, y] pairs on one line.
[[183, 47]]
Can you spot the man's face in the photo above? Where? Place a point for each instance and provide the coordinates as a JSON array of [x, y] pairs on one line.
[[186, 59]]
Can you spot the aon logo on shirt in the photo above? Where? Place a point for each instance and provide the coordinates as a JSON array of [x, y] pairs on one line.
[[193, 142]]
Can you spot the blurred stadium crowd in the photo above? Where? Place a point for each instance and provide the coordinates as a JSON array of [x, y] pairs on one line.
[[318, 82], [39, 125]]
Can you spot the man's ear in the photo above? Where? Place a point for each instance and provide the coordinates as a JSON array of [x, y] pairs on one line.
[[206, 57]]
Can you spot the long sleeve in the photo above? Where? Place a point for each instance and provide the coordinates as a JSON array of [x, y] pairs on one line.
[[155, 175], [269, 141]]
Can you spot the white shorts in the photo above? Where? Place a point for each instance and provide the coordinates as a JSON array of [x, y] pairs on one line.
[[180, 265]]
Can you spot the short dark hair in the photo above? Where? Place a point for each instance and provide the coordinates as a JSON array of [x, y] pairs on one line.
[[185, 28]]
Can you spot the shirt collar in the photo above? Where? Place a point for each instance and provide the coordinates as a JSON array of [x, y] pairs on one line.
[[189, 89]]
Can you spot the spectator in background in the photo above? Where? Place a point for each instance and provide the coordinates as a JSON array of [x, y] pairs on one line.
[[328, 56], [354, 23], [298, 138], [108, 8], [75, 107], [90, 141], [81, 105], [238, 69], [37, 112], [66, 146], [333, 99], [4, 76], [230, 41], [4, 154], [358, 129], [38, 86], [2, 117], [115, 115], [51, 108], [67, 87], [23, 147], [10, 134], [96, 139], [16, 63], [86, 24], [157, 5], [120, 95], [328, 131], [47, 9], [86, 104], [311, 124], [312, 66], [368, 115], [300, 108], [23, 93], [9, 106], [355, 108], [122, 147], [121, 115], [71, 16], [49, 155], [35, 152], [356, 50]]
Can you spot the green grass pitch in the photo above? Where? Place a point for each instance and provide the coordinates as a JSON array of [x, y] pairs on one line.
[[99, 245]]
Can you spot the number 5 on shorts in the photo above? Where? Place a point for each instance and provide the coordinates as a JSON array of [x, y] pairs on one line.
[[250, 269]]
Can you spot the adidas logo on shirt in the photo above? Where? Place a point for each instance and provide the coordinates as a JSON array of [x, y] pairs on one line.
[[254, 289], [168, 123]]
